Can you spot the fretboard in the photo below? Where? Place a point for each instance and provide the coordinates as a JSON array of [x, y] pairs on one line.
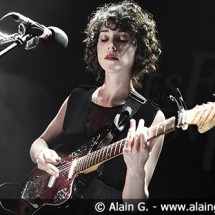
[[115, 149]]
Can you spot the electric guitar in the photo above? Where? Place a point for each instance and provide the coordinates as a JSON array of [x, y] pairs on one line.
[[41, 189]]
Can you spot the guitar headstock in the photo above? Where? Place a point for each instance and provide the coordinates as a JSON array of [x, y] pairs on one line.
[[201, 115]]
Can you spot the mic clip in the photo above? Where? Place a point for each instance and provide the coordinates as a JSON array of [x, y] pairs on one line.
[[25, 37]]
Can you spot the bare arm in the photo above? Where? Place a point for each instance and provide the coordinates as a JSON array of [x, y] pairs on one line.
[[40, 153], [141, 159]]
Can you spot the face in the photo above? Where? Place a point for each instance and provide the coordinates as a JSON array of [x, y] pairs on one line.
[[115, 50]]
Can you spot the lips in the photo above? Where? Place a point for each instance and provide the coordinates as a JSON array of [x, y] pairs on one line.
[[111, 57]]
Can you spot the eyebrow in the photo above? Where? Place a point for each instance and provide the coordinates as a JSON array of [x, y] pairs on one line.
[[120, 31], [103, 31]]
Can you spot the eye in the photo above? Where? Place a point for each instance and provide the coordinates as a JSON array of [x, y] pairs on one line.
[[124, 38], [103, 38]]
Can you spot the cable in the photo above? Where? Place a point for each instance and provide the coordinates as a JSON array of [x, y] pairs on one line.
[[8, 211]]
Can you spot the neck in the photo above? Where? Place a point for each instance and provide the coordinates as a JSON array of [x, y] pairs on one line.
[[113, 94]]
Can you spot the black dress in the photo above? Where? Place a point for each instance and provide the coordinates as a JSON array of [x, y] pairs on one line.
[[83, 118]]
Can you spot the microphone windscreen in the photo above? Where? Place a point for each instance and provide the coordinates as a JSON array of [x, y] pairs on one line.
[[59, 36]]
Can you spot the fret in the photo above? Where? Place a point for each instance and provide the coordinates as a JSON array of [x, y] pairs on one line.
[[103, 151], [78, 166], [83, 162], [95, 156], [87, 161], [116, 148], [108, 153], [121, 145], [111, 148], [91, 156], [100, 155], [161, 128]]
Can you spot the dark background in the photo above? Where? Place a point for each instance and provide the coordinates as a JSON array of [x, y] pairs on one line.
[[34, 83]]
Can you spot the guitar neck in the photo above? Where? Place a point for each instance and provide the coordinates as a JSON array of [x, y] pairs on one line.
[[115, 149], [203, 116], [161, 128]]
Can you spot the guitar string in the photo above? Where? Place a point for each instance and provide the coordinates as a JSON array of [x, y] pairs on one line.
[[95, 154], [105, 149], [110, 147], [83, 160]]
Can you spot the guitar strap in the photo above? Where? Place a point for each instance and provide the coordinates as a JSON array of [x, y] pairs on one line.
[[135, 100], [131, 106], [79, 104]]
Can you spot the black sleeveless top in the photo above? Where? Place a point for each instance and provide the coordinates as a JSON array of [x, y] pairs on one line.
[[83, 118]]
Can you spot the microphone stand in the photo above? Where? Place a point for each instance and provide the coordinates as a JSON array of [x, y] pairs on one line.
[[22, 37], [19, 41]]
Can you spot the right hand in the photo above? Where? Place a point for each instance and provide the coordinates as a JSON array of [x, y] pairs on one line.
[[46, 160]]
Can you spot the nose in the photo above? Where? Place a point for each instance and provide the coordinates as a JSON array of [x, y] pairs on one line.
[[111, 46]]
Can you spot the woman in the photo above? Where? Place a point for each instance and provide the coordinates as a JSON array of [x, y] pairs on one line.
[[121, 46]]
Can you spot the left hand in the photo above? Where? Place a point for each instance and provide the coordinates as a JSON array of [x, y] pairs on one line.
[[136, 149]]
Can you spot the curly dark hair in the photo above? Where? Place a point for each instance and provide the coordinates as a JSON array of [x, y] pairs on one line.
[[139, 23]]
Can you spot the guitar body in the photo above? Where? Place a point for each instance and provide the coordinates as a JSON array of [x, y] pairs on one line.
[[42, 189], [36, 192]]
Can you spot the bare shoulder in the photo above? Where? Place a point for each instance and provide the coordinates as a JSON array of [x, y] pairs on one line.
[[55, 127], [157, 142], [159, 117]]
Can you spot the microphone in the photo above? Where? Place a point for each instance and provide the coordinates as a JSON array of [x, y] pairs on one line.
[[48, 33]]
